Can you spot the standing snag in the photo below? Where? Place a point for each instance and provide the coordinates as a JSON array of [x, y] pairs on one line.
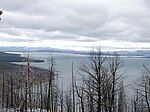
[[101, 78], [143, 91]]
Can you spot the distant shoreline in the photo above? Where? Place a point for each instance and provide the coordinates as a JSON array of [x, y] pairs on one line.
[[85, 54], [12, 57]]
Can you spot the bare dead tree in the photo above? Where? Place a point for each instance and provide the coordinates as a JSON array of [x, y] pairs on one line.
[[94, 72], [12, 91], [62, 99], [3, 90], [73, 90], [28, 81], [80, 94], [114, 65], [101, 77], [41, 96], [121, 99], [135, 102], [143, 91], [50, 81], [68, 101], [25, 84]]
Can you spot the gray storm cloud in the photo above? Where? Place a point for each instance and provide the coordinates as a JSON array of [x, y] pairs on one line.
[[76, 20]]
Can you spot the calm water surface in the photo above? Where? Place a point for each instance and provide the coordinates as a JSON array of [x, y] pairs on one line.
[[132, 66]]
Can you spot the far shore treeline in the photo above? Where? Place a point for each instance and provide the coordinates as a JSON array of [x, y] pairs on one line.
[[10, 57]]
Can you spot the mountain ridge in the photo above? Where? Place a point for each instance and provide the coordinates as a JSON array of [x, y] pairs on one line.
[[140, 53]]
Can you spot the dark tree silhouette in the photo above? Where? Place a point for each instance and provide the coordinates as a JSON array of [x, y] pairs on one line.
[[1, 12]]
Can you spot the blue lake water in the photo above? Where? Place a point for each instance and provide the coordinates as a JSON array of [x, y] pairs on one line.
[[132, 66]]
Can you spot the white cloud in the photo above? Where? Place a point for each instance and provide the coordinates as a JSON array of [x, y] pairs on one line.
[[106, 23]]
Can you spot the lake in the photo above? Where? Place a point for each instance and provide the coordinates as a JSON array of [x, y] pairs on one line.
[[132, 65]]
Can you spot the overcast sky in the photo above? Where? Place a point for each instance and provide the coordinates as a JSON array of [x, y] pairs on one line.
[[76, 24]]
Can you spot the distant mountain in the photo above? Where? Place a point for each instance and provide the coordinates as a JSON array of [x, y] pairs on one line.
[[132, 53], [18, 49], [40, 49], [138, 53]]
